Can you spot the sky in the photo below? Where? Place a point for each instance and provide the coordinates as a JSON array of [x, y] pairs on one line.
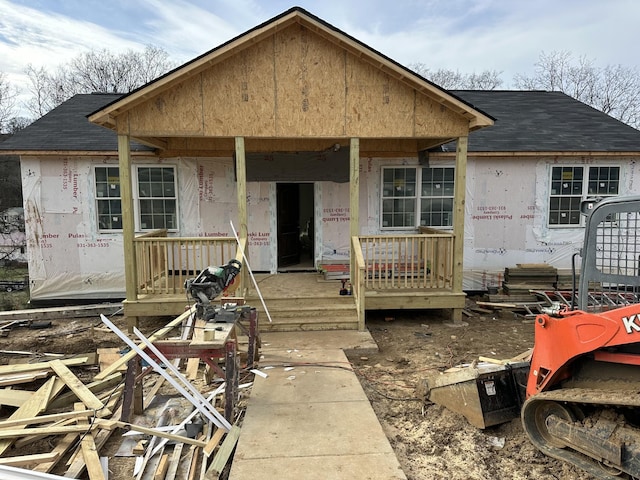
[[470, 36]]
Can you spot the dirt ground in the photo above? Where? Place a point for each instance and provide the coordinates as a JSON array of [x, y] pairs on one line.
[[430, 441]]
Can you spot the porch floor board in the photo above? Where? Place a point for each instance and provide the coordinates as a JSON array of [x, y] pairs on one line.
[[305, 301]]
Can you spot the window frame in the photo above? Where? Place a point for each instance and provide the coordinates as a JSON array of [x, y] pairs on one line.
[[585, 193], [100, 199], [417, 195], [138, 198]]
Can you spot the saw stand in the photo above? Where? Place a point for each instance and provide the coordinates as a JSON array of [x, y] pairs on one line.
[[220, 342]]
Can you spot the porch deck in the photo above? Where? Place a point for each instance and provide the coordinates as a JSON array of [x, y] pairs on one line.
[[388, 273], [304, 301]]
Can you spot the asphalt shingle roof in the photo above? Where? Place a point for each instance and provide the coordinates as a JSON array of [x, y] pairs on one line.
[[526, 121], [539, 121], [66, 128]]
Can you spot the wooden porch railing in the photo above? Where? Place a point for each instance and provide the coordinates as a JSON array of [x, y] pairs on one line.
[[418, 261], [164, 263]]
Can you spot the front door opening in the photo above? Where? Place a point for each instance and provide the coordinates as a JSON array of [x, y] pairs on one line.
[[295, 212]]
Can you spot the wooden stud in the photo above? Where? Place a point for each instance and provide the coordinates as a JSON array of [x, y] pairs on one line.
[[54, 417], [174, 463], [89, 450], [163, 466], [85, 395], [69, 398], [34, 406], [14, 398], [222, 457], [35, 367], [157, 433], [213, 442], [22, 460], [61, 448]]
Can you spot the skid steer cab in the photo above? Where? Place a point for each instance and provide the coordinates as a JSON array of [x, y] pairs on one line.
[[208, 285]]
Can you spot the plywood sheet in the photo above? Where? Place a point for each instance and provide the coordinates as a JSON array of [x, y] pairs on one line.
[[239, 94], [432, 119], [177, 111], [310, 82], [378, 105]]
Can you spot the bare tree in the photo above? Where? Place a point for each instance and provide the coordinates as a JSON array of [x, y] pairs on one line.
[[8, 95], [95, 71], [12, 237], [614, 89], [455, 80]]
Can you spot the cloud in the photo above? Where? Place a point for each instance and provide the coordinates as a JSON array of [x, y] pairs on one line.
[[31, 36], [465, 35]]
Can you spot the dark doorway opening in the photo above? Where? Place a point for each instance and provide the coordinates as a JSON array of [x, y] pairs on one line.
[[295, 210]]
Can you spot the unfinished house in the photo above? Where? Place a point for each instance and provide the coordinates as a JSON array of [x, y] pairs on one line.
[[294, 135], [324, 156]]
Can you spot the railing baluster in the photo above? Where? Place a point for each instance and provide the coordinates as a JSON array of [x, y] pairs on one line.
[[164, 263], [424, 260]]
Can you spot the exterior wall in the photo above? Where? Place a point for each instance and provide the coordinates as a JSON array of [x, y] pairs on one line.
[[67, 256], [505, 222]]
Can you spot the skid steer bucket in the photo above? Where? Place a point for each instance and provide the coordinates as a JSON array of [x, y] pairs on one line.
[[485, 394]]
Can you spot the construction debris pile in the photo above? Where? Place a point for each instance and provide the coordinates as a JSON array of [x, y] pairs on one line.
[[59, 414]]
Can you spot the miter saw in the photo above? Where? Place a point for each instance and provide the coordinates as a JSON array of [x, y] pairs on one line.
[[209, 284]]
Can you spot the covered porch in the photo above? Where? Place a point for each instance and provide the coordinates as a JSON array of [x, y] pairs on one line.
[[312, 89], [390, 272]]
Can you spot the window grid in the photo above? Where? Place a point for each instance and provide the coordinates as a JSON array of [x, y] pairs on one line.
[[108, 201], [569, 186], [157, 198], [404, 207], [436, 204]]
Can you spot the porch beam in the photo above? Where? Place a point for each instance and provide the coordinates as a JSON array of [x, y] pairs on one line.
[[354, 186], [128, 221], [354, 207], [241, 184], [458, 219]]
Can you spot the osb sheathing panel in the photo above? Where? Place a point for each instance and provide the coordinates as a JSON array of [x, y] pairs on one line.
[[239, 94], [310, 76], [377, 105], [294, 84], [434, 119], [177, 111]]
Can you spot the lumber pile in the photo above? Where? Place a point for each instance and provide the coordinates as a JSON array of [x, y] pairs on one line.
[[526, 277], [54, 422]]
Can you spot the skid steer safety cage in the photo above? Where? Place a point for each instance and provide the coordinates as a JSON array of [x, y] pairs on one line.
[[610, 272]]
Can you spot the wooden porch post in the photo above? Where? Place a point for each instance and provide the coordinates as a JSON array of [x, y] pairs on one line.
[[458, 220], [354, 213], [128, 223], [241, 185]]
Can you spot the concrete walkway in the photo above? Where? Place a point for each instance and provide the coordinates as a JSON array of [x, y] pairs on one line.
[[312, 421]]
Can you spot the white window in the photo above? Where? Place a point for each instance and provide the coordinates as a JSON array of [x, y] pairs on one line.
[[108, 202], [417, 196], [157, 201], [570, 185], [155, 196]]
